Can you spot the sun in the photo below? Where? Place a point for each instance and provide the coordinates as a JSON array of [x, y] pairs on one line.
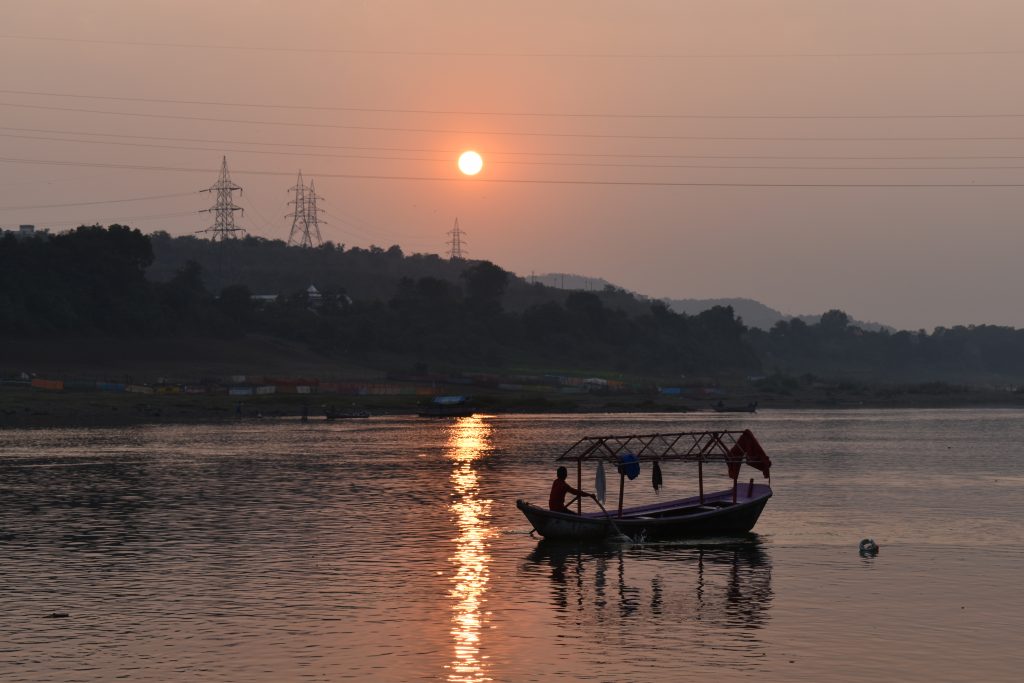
[[470, 162]]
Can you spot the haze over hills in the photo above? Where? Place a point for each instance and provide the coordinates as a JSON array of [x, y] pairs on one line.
[[591, 165], [752, 312]]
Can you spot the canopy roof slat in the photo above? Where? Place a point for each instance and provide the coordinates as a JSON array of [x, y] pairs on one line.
[[706, 446]]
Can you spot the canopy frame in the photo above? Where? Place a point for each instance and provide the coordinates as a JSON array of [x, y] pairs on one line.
[[727, 446], [706, 446]]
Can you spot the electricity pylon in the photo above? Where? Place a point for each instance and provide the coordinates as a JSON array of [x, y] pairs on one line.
[[455, 252], [313, 216], [305, 216], [224, 207]]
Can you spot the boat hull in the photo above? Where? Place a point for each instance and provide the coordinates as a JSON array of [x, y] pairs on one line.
[[346, 416], [445, 411], [751, 408], [685, 518]]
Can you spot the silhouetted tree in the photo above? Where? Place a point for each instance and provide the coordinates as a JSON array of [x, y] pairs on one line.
[[485, 285]]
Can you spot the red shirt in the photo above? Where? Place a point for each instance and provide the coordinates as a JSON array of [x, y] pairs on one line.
[[559, 488]]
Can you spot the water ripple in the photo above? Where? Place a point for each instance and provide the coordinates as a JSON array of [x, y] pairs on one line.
[[391, 550]]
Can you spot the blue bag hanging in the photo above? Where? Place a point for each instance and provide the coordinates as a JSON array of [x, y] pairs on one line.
[[629, 465]]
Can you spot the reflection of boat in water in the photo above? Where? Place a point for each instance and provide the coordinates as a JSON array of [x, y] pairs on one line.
[[723, 408], [714, 584], [722, 513], [447, 406]]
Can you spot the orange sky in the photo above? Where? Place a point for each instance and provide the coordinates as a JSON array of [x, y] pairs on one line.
[[906, 256]]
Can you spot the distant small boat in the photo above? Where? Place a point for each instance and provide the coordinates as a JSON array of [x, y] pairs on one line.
[[345, 414], [447, 406], [722, 408]]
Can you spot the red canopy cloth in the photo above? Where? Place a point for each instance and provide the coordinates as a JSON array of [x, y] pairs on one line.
[[747, 446]]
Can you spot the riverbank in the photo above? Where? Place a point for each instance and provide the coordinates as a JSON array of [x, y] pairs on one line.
[[102, 381], [22, 407]]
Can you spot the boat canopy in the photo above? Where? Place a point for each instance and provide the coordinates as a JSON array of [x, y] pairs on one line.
[[449, 400], [732, 447]]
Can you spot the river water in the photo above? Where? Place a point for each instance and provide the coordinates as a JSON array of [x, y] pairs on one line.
[[390, 549]]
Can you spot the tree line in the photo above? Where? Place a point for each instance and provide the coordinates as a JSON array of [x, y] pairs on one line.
[[424, 310]]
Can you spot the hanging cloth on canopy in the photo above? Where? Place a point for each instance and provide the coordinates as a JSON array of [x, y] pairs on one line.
[[599, 484], [747, 447], [656, 479]]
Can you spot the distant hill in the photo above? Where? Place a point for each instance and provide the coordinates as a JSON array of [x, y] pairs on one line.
[[754, 313], [571, 281], [864, 325]]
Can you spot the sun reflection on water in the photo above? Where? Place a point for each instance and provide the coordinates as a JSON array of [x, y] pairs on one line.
[[468, 441]]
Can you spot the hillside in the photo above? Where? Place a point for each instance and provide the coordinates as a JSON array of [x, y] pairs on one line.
[[380, 310], [753, 313]]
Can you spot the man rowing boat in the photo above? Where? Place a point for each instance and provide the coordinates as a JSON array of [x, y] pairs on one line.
[[559, 487]]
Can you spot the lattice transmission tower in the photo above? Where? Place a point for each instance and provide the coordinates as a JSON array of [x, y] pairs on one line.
[[455, 251], [305, 216], [224, 207]]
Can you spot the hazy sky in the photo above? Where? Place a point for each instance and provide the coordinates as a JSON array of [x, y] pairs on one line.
[[676, 148]]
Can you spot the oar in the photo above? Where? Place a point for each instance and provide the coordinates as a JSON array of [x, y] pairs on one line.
[[622, 537]]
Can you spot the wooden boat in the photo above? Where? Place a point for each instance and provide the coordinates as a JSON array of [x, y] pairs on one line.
[[722, 408], [447, 406], [722, 513], [331, 414]]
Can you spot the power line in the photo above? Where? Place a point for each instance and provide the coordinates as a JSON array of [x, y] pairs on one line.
[[513, 162], [545, 163], [155, 216], [49, 181], [603, 136], [526, 181], [371, 231], [582, 155], [590, 115], [531, 55], [234, 142], [179, 214], [96, 202], [217, 149], [586, 164], [267, 224], [353, 232], [361, 230]]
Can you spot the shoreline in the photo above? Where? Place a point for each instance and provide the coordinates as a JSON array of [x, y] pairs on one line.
[[34, 409]]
